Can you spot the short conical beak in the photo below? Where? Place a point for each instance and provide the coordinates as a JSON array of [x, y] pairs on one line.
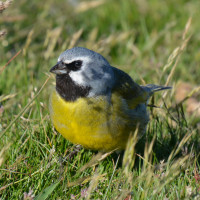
[[59, 68]]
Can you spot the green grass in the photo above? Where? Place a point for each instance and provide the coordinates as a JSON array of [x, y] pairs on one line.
[[136, 36]]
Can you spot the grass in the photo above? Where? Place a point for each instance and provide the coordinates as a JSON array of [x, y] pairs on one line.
[[148, 40]]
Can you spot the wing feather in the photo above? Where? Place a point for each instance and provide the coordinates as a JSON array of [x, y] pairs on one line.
[[124, 85]]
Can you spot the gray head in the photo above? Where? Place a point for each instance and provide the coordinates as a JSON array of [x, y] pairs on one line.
[[86, 68]]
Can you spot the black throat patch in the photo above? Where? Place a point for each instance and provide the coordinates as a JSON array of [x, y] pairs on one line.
[[68, 90]]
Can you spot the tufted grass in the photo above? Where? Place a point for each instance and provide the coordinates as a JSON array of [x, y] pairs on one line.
[[155, 42]]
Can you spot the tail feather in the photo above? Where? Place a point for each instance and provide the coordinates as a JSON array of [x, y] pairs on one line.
[[151, 88]]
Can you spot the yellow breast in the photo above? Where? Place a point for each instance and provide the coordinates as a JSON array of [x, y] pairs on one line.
[[95, 123]]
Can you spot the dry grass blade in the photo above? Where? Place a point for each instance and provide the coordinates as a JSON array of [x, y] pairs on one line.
[[4, 5], [148, 151], [28, 41], [182, 142], [146, 177], [4, 98], [87, 5], [24, 109], [79, 181], [171, 173], [171, 59], [187, 27], [193, 92], [129, 155], [84, 180], [175, 56], [178, 50], [144, 159], [148, 168], [93, 185], [1, 69], [95, 160], [111, 178], [178, 53], [75, 38], [51, 40]]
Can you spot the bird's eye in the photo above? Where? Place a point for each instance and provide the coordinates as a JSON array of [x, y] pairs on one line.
[[74, 66], [78, 63]]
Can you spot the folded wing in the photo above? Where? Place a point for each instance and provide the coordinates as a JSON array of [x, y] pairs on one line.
[[133, 93]]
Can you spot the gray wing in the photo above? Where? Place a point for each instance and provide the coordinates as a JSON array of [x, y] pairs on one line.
[[133, 93], [124, 85]]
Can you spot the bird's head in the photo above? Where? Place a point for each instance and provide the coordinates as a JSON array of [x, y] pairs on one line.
[[84, 68]]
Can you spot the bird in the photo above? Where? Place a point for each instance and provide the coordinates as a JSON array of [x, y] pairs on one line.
[[96, 105]]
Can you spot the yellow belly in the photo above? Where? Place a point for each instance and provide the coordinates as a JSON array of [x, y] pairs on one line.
[[95, 123]]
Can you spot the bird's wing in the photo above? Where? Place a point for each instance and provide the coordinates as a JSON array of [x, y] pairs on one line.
[[133, 93]]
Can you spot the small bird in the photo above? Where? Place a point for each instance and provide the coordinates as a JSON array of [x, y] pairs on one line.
[[94, 104]]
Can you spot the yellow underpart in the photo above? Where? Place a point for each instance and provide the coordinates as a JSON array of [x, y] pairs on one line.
[[95, 123]]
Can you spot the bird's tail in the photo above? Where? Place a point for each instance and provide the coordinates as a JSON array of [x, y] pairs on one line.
[[150, 88]]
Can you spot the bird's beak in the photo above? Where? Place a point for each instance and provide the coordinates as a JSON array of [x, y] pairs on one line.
[[59, 68]]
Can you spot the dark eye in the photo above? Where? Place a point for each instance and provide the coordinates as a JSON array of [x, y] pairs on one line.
[[78, 63], [74, 66]]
